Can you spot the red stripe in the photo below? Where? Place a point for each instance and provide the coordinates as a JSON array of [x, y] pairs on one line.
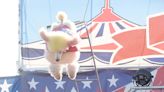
[[111, 28], [84, 35], [110, 46]]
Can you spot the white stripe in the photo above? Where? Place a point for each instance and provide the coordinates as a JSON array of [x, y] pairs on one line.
[[95, 31], [124, 25], [107, 32], [116, 28]]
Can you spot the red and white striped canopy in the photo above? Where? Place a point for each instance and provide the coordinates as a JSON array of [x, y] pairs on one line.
[[101, 30]]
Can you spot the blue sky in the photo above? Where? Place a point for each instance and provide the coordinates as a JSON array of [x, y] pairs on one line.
[[134, 10], [137, 10], [38, 13]]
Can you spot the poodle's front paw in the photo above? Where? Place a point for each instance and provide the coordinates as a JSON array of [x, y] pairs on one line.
[[56, 71], [72, 70], [72, 75], [57, 76]]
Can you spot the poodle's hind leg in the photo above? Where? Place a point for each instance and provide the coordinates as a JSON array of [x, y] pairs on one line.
[[56, 71], [72, 70]]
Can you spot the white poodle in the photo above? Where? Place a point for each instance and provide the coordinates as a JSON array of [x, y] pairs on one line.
[[61, 47]]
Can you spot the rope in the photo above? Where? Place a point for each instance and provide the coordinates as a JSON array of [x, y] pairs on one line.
[[86, 10], [90, 44]]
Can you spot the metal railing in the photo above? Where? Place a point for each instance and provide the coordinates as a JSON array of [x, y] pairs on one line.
[[134, 89]]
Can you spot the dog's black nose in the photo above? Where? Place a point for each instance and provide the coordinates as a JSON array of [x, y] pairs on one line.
[[57, 60]]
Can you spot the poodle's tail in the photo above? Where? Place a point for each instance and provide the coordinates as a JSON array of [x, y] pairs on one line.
[[61, 16]]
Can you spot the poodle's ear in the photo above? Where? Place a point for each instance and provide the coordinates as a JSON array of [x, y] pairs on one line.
[[43, 34]]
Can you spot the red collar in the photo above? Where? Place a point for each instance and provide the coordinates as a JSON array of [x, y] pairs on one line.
[[72, 49]]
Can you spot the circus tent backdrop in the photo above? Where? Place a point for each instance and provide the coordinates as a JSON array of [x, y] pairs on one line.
[[101, 30], [109, 34]]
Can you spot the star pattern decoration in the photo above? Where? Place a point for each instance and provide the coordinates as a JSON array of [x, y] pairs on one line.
[[5, 86], [87, 83], [59, 84], [33, 84], [113, 81]]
